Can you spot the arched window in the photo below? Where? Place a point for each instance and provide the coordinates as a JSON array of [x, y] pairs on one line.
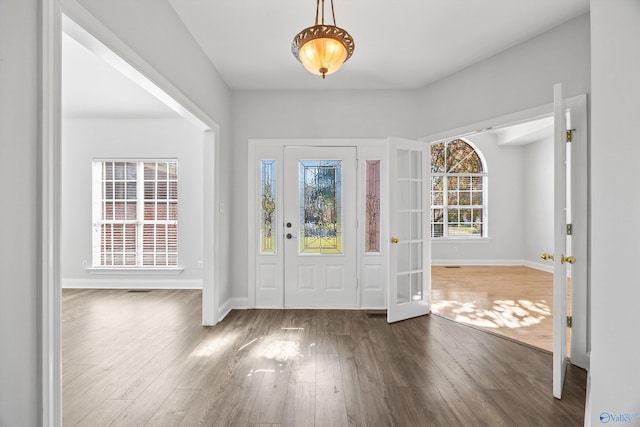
[[458, 191]]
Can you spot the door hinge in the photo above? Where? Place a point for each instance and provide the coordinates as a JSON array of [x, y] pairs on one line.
[[569, 321], [569, 229], [569, 135]]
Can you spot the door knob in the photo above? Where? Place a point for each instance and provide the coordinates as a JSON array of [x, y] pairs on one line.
[[394, 240], [290, 236], [546, 256], [569, 259]]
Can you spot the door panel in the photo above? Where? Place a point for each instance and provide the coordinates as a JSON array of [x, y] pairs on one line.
[[560, 243], [320, 227], [409, 290]]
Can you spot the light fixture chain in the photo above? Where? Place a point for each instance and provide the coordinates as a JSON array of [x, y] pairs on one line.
[[317, 10], [333, 13], [322, 12]]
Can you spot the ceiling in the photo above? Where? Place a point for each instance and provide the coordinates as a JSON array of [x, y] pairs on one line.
[[400, 44], [524, 133], [404, 44], [92, 87]]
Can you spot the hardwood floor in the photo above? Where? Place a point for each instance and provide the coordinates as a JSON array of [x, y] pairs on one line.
[[513, 301], [142, 358]]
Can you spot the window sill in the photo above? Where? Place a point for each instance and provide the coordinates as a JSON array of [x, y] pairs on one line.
[[453, 240], [135, 270]]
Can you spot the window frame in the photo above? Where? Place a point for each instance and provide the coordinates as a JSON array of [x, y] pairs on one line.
[[445, 206], [140, 221]]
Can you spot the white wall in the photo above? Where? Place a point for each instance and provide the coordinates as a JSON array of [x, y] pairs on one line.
[[19, 215], [615, 206], [153, 30], [504, 244], [307, 115], [176, 57], [538, 202], [86, 139], [515, 80]]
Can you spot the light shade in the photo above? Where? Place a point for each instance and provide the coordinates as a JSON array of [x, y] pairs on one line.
[[322, 49]]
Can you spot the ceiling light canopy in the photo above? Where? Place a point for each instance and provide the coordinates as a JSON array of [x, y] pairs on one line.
[[322, 49]]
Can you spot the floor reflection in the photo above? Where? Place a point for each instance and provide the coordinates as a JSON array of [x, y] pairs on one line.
[[509, 300]]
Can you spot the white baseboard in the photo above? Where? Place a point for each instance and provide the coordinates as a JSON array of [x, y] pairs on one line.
[[539, 266], [231, 304], [476, 262], [121, 283]]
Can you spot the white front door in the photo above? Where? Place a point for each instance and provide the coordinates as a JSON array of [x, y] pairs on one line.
[[409, 290], [320, 227]]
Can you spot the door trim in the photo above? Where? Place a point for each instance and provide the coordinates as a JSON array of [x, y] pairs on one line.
[[369, 295]]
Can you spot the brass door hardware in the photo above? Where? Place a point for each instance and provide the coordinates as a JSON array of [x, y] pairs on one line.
[[546, 256], [569, 259], [394, 240]]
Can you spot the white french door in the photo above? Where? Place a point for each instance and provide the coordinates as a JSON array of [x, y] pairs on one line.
[[409, 285], [562, 239], [320, 227]]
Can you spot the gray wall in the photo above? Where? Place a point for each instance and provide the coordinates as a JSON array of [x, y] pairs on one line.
[[177, 58], [615, 206], [155, 32], [83, 140], [19, 215], [517, 79]]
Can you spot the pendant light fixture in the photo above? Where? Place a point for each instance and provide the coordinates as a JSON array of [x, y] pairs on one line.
[[322, 49]]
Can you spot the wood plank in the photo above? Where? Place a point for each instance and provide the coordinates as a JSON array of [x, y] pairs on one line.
[[296, 367], [513, 301], [330, 398]]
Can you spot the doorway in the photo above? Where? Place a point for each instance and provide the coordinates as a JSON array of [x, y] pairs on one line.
[[475, 259]]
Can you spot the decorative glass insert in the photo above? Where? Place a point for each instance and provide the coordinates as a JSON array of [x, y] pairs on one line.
[[268, 196], [458, 191], [320, 207], [372, 232]]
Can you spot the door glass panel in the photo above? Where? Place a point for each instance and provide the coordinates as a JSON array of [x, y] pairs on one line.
[[268, 202], [403, 162], [416, 256], [416, 164], [404, 288], [416, 286], [416, 226], [320, 189], [403, 257], [372, 234], [416, 195], [404, 226], [402, 192]]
